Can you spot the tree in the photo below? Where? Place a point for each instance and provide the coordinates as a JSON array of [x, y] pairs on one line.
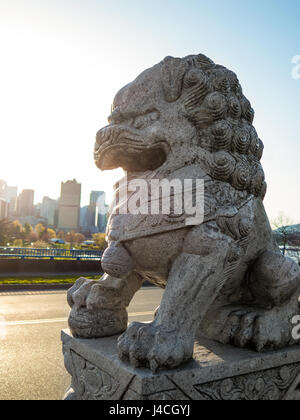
[[61, 235], [32, 237], [285, 232], [51, 233], [100, 241], [79, 237], [5, 229], [27, 229], [18, 243], [71, 237], [44, 237], [40, 230], [16, 230]]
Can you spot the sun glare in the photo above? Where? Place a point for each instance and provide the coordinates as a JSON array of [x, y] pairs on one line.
[[55, 95]]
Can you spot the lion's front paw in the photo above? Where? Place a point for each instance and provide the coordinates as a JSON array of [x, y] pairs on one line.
[[154, 346], [77, 295], [96, 311]]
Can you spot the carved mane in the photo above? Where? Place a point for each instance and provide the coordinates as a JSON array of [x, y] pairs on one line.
[[214, 102]]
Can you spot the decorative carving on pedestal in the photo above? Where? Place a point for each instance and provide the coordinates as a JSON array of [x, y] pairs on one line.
[[273, 384], [209, 377], [91, 383], [88, 381]]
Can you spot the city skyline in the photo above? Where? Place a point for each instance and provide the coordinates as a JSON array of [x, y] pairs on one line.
[[38, 199], [65, 213]]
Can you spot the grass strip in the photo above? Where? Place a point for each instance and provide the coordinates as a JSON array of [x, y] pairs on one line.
[[44, 280]]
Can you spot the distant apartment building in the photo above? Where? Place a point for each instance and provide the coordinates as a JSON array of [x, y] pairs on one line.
[[101, 211], [93, 216], [3, 208], [12, 198], [11, 193], [25, 205], [3, 189], [85, 221], [3, 200], [48, 210], [69, 205]]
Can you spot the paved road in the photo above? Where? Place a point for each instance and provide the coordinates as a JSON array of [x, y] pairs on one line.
[[31, 363]]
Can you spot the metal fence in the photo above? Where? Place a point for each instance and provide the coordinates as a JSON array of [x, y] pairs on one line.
[[292, 252], [50, 253]]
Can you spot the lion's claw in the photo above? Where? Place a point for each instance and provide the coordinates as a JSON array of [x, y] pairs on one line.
[[250, 328], [153, 346]]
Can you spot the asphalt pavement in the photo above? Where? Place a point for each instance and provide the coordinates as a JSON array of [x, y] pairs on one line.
[[31, 362]]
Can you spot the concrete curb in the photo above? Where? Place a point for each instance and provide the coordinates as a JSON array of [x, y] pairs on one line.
[[49, 274], [4, 288]]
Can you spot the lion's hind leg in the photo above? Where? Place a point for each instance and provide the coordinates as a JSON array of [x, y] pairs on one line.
[[274, 279], [275, 284], [265, 322]]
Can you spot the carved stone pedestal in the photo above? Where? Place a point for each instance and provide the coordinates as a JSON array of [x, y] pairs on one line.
[[217, 372]]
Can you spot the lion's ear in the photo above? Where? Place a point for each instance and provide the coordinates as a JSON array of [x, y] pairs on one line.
[[172, 73]]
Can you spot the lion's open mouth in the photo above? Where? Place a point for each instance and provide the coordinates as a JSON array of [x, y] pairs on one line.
[[131, 157]]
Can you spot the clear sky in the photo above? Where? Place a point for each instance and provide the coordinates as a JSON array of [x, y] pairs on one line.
[[62, 61]]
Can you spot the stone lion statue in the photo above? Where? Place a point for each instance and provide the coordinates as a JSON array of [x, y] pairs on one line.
[[225, 278]]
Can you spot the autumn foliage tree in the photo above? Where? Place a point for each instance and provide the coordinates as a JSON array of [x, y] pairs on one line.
[[32, 237], [100, 241], [5, 228], [40, 230], [79, 238], [27, 229], [16, 230], [71, 237], [44, 234], [61, 235]]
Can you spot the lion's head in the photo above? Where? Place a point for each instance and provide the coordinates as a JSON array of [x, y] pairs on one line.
[[181, 112]]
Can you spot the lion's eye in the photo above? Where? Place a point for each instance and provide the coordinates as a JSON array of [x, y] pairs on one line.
[[143, 121]]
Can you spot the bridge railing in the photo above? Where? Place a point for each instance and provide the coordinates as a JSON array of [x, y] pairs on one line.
[[50, 253], [292, 252]]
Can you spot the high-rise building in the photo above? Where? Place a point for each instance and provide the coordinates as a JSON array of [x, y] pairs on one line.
[[69, 205], [3, 208], [12, 198], [97, 199], [93, 216], [3, 188], [3, 200], [11, 193], [48, 210], [85, 222], [25, 203]]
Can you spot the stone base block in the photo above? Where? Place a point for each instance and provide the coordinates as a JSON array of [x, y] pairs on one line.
[[217, 372]]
